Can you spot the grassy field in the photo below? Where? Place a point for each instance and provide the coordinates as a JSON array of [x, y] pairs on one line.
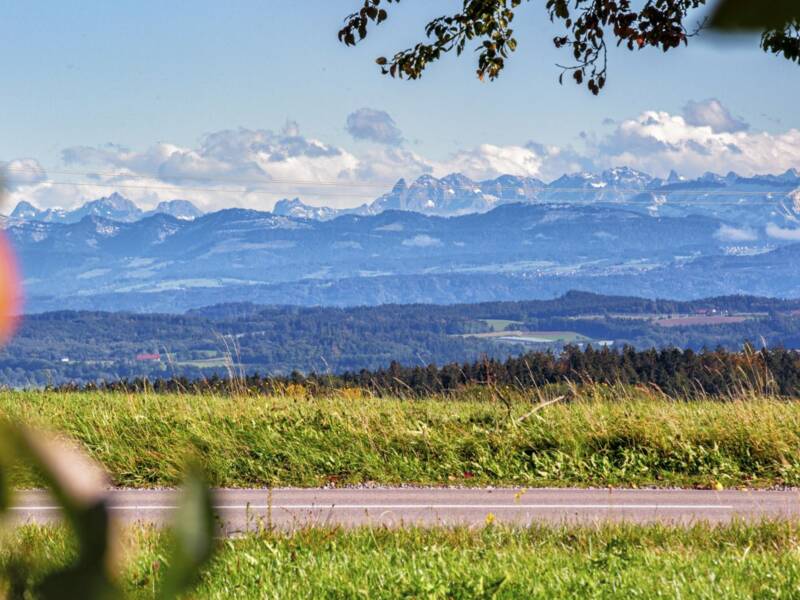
[[611, 561], [606, 437], [550, 336], [542, 337], [208, 363]]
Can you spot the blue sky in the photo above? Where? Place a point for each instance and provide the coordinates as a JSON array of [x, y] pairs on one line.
[[136, 74]]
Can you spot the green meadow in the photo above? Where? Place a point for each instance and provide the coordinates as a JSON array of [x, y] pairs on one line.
[[602, 436], [608, 561]]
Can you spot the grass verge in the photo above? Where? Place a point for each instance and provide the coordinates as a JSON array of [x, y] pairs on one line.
[[609, 561], [298, 441]]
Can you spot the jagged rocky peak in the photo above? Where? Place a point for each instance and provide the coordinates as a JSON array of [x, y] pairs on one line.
[[298, 209], [673, 177], [25, 210], [627, 176], [400, 186], [180, 209], [114, 207], [116, 200]]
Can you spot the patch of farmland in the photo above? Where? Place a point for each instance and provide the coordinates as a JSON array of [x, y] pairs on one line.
[[544, 337], [700, 320]]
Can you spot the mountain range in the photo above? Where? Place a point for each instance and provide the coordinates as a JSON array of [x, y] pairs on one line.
[[512, 252], [637, 235], [114, 208], [745, 201]]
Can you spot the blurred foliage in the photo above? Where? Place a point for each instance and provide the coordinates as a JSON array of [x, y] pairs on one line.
[[78, 487], [778, 20], [590, 26]]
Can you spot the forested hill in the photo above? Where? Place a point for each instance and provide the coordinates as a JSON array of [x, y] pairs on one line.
[[59, 347], [573, 303]]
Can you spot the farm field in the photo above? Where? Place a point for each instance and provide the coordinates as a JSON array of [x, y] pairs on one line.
[[699, 321], [205, 363], [543, 337], [605, 436], [608, 561]]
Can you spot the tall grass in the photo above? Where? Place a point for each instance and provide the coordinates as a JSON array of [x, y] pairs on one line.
[[600, 436], [609, 561]]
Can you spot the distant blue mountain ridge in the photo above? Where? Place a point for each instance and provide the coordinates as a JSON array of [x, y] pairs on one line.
[[455, 194], [114, 207], [618, 232]]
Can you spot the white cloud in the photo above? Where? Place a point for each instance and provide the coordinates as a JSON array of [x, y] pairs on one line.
[[241, 167], [487, 161], [782, 233], [714, 114], [727, 233], [256, 167], [387, 164], [533, 159], [657, 142], [375, 126], [22, 172], [237, 167]]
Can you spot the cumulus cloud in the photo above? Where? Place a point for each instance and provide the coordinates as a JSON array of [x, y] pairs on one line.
[[256, 167], [657, 142], [22, 172], [252, 154], [375, 126], [245, 167], [235, 167], [387, 164], [783, 233], [529, 160], [487, 161], [712, 113], [558, 160], [727, 233]]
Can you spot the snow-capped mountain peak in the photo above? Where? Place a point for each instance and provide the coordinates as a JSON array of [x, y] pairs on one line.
[[114, 207], [180, 209], [300, 210], [25, 210]]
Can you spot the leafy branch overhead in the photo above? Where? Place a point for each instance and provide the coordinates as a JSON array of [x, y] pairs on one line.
[[590, 25]]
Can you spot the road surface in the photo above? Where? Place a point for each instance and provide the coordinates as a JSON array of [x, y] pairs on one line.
[[242, 510]]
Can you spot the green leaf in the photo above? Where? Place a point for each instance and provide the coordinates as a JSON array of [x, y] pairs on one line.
[[192, 541], [77, 482], [78, 486], [5, 487]]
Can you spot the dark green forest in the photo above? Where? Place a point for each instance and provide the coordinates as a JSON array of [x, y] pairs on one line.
[[679, 374], [62, 347]]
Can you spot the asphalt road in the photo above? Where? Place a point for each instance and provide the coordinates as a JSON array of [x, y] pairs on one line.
[[242, 510]]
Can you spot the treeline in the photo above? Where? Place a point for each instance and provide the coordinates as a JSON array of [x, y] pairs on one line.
[[62, 347], [676, 373]]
